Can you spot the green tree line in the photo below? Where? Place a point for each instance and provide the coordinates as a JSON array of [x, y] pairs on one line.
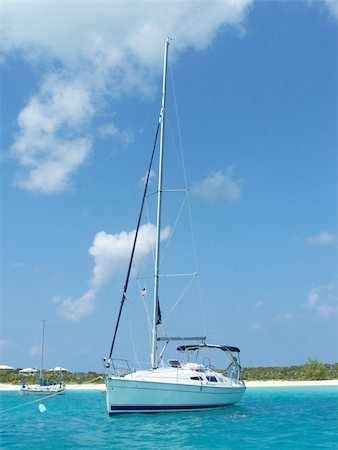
[[14, 377], [311, 370]]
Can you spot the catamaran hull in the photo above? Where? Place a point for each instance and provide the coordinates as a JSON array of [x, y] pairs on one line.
[[136, 396]]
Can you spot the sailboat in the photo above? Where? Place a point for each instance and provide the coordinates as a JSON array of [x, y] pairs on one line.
[[177, 385], [44, 387]]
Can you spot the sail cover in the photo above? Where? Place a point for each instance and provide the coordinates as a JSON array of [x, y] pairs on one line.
[[225, 348]]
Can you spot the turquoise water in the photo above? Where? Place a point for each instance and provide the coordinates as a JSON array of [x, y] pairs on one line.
[[267, 418]]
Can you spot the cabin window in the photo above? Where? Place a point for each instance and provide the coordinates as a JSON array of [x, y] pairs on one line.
[[212, 379], [196, 378], [174, 363]]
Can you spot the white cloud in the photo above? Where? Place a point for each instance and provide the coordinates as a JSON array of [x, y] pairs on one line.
[[332, 6], [326, 6], [78, 31], [255, 327], [220, 185], [322, 238], [313, 298], [323, 300], [109, 49], [151, 176], [111, 253], [47, 146], [110, 129], [286, 316], [76, 309]]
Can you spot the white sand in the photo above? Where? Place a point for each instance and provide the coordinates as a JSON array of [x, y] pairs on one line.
[[249, 384], [282, 383], [69, 387]]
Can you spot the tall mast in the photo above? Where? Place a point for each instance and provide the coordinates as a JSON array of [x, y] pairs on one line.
[[42, 345], [159, 202]]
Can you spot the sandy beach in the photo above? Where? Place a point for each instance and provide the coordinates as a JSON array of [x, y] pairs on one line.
[[282, 383], [69, 387], [249, 384]]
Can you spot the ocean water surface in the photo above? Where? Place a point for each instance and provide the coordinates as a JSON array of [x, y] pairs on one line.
[[266, 418]]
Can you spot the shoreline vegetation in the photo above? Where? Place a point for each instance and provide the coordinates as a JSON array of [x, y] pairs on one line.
[[249, 385], [312, 370], [311, 373]]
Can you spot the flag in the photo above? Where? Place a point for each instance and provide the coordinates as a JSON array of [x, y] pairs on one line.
[[159, 314], [144, 292]]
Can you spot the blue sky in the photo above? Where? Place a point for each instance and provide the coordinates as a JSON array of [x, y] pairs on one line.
[[256, 91]]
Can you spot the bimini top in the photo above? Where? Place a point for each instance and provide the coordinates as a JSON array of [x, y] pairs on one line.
[[225, 348]]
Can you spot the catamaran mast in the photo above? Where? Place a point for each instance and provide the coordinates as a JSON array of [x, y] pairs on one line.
[[42, 348], [158, 219]]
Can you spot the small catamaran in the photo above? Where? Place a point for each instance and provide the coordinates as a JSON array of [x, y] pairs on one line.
[[44, 387], [176, 386]]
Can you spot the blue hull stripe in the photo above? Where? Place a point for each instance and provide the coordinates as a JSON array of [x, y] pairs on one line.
[[116, 409]]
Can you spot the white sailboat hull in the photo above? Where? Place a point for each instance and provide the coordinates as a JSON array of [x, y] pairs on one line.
[[189, 386], [134, 395], [42, 390]]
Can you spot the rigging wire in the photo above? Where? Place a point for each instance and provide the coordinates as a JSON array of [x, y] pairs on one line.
[[184, 204], [173, 229], [146, 310], [125, 288], [40, 399], [193, 240], [185, 200], [178, 300]]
